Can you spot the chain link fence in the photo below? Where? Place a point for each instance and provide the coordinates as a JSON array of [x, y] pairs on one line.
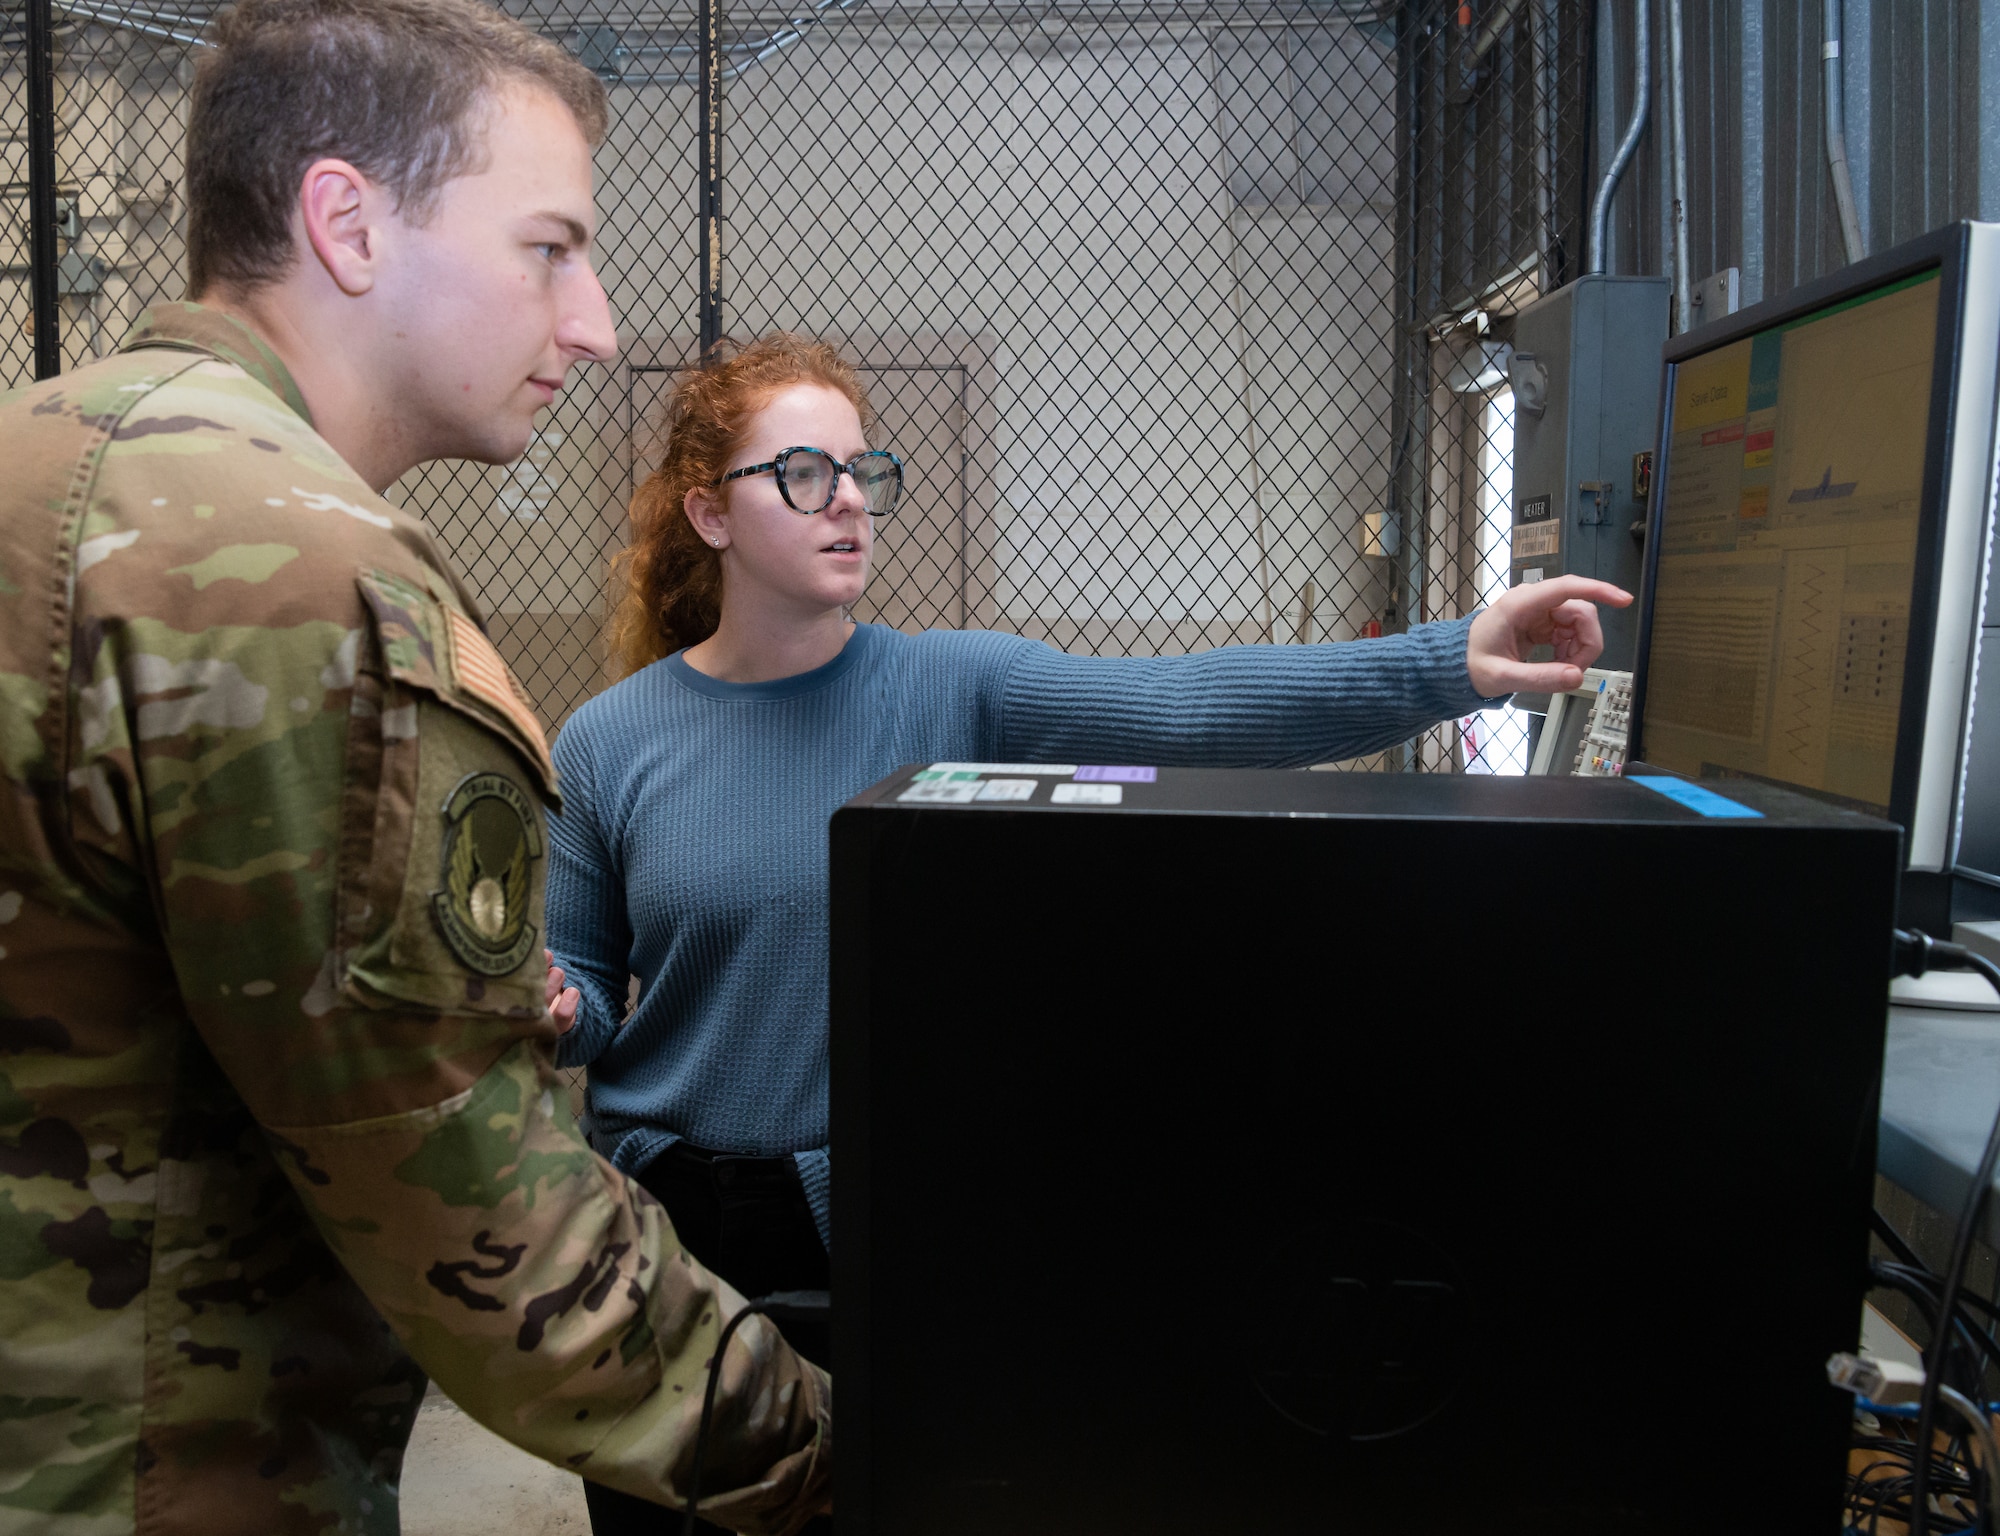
[[119, 118], [1500, 124], [1172, 309]]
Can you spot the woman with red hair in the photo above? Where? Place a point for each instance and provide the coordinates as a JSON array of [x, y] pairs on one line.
[[691, 849]]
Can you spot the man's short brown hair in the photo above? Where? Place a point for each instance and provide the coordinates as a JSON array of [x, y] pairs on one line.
[[391, 86]]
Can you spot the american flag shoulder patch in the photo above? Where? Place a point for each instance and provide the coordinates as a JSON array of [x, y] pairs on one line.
[[480, 672]]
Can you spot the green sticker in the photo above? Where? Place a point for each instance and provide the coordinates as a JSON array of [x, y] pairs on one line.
[[492, 838]]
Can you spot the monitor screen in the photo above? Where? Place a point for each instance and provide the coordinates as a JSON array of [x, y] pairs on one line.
[[1787, 548]]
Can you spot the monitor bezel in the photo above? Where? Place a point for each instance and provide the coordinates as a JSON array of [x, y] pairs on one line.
[[1945, 251]]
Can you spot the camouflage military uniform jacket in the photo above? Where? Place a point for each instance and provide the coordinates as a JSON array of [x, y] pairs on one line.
[[278, 1131]]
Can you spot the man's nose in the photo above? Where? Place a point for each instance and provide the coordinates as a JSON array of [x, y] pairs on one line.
[[585, 328]]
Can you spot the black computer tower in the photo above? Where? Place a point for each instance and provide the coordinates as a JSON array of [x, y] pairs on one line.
[[1300, 1153]]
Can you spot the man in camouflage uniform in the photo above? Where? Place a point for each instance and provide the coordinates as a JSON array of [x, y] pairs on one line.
[[278, 1129]]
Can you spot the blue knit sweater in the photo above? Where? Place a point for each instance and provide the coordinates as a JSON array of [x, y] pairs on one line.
[[691, 851]]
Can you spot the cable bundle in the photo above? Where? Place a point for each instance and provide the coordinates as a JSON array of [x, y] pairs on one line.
[[1915, 1480], [1884, 1489]]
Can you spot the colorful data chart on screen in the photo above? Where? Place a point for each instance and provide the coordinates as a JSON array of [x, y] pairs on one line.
[[1787, 553]]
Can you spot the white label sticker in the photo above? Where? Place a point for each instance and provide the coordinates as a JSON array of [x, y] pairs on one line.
[[1534, 541], [1007, 789], [939, 792], [1087, 794], [1011, 770]]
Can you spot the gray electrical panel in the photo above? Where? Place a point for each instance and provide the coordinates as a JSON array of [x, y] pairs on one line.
[[1586, 377]]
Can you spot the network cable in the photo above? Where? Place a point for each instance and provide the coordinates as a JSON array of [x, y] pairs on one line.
[[1921, 1287], [779, 1306], [1914, 953], [1889, 1390], [1895, 1242]]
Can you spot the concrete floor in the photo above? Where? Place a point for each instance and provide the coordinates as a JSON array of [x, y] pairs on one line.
[[461, 1479]]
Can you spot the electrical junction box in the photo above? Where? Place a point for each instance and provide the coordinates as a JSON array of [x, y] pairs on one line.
[[1586, 377], [80, 272]]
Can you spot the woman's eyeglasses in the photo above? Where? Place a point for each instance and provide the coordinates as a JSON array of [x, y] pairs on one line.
[[808, 478]]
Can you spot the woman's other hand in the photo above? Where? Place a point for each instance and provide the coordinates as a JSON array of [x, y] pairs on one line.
[[560, 1000], [1559, 612]]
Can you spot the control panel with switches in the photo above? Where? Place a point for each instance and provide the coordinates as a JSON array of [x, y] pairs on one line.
[[1601, 752], [1586, 729]]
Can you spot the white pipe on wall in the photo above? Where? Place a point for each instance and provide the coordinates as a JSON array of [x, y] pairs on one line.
[[1836, 138], [1642, 100]]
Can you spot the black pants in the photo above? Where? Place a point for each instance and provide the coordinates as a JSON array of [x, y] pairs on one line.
[[745, 1219]]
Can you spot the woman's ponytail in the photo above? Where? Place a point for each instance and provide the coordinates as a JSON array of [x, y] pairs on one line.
[[671, 581]]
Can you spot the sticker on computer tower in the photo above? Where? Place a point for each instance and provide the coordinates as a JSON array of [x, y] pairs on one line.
[[1536, 541], [1087, 794], [1007, 789], [1009, 770], [941, 792]]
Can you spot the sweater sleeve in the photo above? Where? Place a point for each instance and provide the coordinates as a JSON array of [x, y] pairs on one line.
[[1239, 706], [816, 1177], [590, 931]]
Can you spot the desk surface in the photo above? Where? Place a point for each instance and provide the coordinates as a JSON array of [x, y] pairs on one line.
[[1940, 1092]]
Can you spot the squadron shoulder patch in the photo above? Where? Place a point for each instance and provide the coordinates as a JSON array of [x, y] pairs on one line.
[[492, 838]]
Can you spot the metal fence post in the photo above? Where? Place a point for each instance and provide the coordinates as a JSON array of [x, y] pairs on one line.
[[42, 189], [710, 191], [1410, 428]]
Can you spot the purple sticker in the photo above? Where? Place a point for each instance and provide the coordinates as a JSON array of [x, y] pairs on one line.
[[1117, 775]]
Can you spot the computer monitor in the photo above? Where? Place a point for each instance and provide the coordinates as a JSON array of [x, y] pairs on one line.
[[1817, 549]]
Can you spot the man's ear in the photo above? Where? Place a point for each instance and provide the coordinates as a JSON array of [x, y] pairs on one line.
[[342, 210], [704, 512]]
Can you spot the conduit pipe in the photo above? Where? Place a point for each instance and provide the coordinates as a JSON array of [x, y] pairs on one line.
[[1836, 137], [1642, 100], [1677, 86], [1540, 51], [148, 25], [1495, 28]]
